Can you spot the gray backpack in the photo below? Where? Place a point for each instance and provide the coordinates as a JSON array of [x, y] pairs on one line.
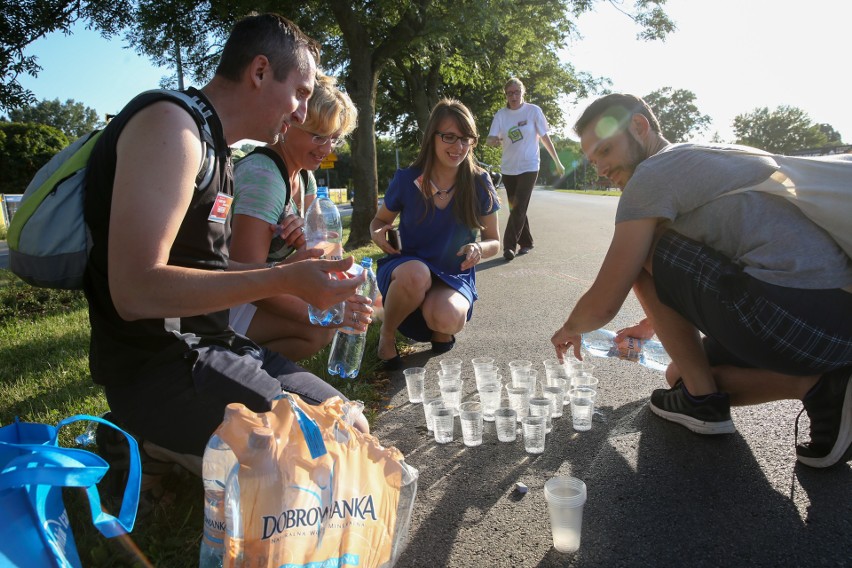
[[48, 239]]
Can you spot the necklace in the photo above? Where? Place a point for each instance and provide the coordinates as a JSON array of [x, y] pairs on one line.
[[442, 193]]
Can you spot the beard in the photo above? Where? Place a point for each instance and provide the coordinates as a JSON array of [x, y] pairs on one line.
[[635, 155]]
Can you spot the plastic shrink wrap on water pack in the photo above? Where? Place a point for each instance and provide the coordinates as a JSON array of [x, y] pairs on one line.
[[310, 488]]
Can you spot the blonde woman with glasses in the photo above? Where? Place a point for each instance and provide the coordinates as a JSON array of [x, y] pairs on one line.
[[274, 185], [447, 210]]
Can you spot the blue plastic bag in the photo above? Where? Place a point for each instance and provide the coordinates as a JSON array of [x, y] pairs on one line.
[[33, 470]]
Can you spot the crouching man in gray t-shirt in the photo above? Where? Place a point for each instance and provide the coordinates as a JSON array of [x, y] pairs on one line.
[[769, 289]]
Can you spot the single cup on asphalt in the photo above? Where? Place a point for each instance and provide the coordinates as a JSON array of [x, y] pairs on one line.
[[534, 433], [415, 382], [506, 423], [540, 406], [519, 400], [470, 416], [582, 408], [444, 422], [565, 498], [448, 364], [489, 395], [428, 401]]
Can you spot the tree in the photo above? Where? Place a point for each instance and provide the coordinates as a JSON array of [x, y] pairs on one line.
[[24, 148], [21, 23], [831, 135], [679, 117], [73, 118], [781, 131]]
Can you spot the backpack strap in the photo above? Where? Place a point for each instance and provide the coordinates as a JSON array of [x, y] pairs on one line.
[[199, 111]]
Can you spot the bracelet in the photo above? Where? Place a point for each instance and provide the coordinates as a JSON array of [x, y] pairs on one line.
[[478, 247]]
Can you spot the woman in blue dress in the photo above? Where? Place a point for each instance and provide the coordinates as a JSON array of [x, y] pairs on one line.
[[444, 201]]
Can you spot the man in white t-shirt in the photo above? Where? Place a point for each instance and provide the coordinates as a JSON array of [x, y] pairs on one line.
[[518, 127]]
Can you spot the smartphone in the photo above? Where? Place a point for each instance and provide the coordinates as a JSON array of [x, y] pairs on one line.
[[393, 238]]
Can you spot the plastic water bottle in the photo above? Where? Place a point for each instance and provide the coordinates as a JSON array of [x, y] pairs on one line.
[[647, 352], [218, 463], [347, 347], [261, 494], [324, 230]]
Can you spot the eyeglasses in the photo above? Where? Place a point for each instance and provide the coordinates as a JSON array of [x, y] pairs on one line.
[[450, 138], [512, 93], [323, 140]]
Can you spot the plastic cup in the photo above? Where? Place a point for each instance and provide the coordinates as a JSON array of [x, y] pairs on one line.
[[534, 433], [489, 395], [565, 498], [481, 361], [582, 408], [506, 423], [451, 393], [415, 382], [540, 406], [428, 401], [485, 373], [444, 422], [449, 364], [444, 374], [520, 364], [585, 380], [525, 378], [470, 416], [519, 400], [555, 393]]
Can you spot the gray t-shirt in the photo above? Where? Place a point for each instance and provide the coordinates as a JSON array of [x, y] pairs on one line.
[[764, 233]]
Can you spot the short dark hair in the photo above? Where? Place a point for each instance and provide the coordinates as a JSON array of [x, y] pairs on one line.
[[619, 106], [272, 35]]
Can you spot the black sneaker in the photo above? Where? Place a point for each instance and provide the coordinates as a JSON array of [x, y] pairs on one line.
[[509, 255], [711, 415], [829, 406], [525, 250]]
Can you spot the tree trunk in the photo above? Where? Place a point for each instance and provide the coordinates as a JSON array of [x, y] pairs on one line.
[[361, 86]]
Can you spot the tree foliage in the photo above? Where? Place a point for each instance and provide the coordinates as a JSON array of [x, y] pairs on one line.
[[418, 50], [781, 131], [24, 148], [679, 117], [73, 118], [21, 23], [831, 135]]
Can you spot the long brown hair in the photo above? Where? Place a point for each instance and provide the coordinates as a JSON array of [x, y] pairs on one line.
[[465, 203]]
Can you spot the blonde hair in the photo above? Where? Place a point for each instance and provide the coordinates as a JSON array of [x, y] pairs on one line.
[[330, 110], [515, 82]]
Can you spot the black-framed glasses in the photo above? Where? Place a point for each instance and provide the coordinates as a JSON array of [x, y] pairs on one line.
[[318, 140], [450, 138]]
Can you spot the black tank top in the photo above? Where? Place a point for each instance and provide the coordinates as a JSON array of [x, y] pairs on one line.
[[120, 351]]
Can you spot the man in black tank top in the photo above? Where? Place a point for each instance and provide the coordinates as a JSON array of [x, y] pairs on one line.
[[159, 281]]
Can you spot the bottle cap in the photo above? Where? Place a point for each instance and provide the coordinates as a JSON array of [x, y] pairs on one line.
[[322, 191]]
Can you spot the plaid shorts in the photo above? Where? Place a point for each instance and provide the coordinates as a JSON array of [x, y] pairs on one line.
[[750, 323]]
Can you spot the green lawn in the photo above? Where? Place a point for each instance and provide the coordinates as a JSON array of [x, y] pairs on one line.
[[44, 377]]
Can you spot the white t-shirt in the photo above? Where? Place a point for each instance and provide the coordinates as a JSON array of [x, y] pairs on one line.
[[519, 130]]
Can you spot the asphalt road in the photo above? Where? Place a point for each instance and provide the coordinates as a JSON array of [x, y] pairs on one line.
[[658, 495]]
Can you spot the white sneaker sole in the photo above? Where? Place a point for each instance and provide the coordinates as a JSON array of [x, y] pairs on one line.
[[697, 426], [844, 436]]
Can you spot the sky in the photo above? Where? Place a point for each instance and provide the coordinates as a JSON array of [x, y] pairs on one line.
[[735, 55]]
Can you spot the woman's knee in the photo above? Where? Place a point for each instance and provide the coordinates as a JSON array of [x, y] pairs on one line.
[[445, 318], [413, 277]]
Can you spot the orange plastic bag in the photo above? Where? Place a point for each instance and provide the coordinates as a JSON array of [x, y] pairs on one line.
[[314, 491]]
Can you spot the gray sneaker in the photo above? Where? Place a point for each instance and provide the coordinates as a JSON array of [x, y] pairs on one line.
[[710, 415], [829, 407]]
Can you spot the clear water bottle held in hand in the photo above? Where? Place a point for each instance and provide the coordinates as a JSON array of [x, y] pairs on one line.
[[652, 354], [324, 230], [347, 348]]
